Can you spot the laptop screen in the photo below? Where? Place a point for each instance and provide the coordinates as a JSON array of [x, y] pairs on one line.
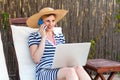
[[71, 54]]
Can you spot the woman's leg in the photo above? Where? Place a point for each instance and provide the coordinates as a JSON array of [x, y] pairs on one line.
[[67, 73], [82, 74]]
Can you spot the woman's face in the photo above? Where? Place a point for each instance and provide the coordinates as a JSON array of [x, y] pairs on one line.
[[49, 22]]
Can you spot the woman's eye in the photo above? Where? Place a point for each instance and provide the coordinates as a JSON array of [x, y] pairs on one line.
[[53, 20], [47, 21]]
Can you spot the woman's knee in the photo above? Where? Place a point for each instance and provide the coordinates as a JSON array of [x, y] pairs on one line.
[[79, 68], [68, 72]]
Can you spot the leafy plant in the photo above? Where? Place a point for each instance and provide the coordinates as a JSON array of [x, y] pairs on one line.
[[98, 37], [117, 17], [93, 50], [5, 21], [105, 24]]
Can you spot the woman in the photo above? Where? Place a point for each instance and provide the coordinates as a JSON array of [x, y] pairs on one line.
[[42, 47]]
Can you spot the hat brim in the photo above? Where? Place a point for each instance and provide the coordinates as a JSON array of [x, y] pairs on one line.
[[33, 20]]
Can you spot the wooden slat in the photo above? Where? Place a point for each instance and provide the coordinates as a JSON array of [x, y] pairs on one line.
[[17, 21]]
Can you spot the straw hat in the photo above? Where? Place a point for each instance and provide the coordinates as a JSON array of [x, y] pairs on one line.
[[32, 21]]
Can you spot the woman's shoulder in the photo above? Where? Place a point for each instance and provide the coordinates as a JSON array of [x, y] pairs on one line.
[[35, 34]]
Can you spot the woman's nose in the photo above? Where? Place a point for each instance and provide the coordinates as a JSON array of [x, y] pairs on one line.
[[51, 23]]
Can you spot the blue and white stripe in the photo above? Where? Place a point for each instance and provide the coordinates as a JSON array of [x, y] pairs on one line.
[[43, 69]]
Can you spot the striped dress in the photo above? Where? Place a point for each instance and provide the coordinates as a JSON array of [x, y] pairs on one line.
[[43, 69]]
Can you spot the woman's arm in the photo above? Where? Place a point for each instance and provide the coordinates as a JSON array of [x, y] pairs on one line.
[[38, 50]]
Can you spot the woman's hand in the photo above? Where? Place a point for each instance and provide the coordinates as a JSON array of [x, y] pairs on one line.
[[42, 31]]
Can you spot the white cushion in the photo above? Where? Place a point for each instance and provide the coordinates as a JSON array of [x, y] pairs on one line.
[[57, 30], [20, 39], [3, 67], [25, 63]]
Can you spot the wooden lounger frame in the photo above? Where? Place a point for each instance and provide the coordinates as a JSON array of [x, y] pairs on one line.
[[16, 21]]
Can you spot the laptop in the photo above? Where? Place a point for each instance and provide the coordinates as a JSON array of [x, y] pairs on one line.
[[71, 54]]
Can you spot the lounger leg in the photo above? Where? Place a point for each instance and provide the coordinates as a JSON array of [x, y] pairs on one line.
[[96, 77], [99, 75], [111, 76], [88, 73]]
